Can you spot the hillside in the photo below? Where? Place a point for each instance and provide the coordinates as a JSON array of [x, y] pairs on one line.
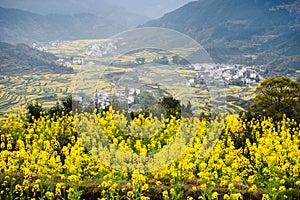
[[17, 26], [247, 32], [21, 59]]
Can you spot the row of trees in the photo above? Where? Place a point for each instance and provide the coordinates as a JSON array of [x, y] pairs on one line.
[[35, 109], [275, 98], [163, 60]]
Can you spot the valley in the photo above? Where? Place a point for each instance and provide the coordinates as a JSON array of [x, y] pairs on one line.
[[96, 70]]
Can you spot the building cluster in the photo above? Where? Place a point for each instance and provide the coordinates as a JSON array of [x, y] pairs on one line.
[[102, 99], [234, 74], [70, 61], [101, 49], [44, 46], [128, 96]]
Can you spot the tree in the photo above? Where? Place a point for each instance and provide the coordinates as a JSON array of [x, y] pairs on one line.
[[186, 110], [55, 110], [180, 61], [35, 111], [140, 60], [67, 104], [61, 109], [276, 97], [163, 60], [171, 106], [175, 59]]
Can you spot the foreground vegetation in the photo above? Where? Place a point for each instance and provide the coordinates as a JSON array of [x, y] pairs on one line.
[[47, 159]]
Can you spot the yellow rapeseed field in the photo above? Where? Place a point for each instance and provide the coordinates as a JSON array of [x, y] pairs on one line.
[[62, 158]]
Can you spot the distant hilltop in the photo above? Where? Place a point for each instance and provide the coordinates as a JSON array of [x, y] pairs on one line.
[[18, 26], [249, 32]]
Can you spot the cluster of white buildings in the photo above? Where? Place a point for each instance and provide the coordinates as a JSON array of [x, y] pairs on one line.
[[101, 49], [229, 74], [103, 100], [70, 61], [44, 46]]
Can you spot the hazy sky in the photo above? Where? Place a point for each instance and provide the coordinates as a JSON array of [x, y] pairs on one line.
[[149, 8]]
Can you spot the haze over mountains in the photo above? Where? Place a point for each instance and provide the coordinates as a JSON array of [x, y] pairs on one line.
[[254, 32], [68, 20], [239, 31], [17, 26], [33, 20], [100, 8], [151, 9]]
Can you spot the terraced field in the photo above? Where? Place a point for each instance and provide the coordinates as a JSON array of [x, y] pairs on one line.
[[101, 72], [45, 88]]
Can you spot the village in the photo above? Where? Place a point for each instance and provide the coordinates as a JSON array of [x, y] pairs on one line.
[[208, 74], [229, 74]]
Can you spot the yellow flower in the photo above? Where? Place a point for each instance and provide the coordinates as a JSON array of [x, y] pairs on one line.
[[251, 179], [50, 195], [226, 197], [237, 196], [165, 194], [145, 198], [230, 186], [70, 190], [158, 183], [282, 188], [58, 189], [130, 195], [214, 195], [73, 178], [35, 188], [18, 188], [253, 188], [104, 184], [203, 187], [265, 197], [194, 188], [145, 187], [172, 191]]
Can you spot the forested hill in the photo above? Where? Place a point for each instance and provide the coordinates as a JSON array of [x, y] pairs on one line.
[[21, 59], [17, 26], [239, 31]]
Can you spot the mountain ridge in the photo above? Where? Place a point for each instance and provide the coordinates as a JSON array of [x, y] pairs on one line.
[[231, 30], [18, 26], [100, 8]]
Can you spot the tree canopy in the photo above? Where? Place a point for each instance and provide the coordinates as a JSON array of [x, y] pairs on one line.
[[276, 97]]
